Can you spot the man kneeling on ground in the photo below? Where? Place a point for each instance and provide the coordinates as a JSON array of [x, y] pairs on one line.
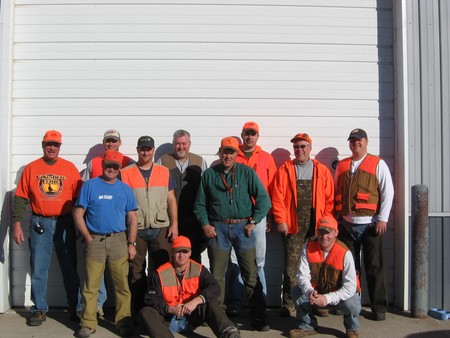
[[326, 278], [182, 294]]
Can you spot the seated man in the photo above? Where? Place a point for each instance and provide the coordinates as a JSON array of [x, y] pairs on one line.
[[326, 277], [182, 294]]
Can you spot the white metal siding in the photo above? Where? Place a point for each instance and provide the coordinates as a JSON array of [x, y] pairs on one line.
[[147, 67]]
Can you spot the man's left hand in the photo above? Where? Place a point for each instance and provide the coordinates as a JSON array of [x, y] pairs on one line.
[[321, 301], [131, 252], [380, 227], [190, 306]]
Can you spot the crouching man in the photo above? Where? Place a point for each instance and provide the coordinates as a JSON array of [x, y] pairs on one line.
[[182, 294], [326, 278]]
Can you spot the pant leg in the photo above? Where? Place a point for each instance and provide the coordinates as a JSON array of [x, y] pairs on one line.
[[260, 239], [64, 240], [137, 275], [153, 323], [102, 293], [235, 291], [354, 245], [160, 250], [372, 245], [305, 315], [41, 246], [95, 258], [293, 245], [117, 257], [219, 248], [214, 315], [351, 308]]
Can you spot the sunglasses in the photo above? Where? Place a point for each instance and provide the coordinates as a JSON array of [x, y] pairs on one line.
[[111, 140], [302, 146], [112, 166]]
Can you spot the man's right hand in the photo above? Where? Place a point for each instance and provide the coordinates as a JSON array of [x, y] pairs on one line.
[[18, 233], [209, 231], [283, 228]]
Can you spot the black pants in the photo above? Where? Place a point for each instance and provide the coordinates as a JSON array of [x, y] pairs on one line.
[[372, 246], [156, 326]]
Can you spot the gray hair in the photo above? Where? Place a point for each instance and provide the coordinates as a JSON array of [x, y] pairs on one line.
[[181, 133]]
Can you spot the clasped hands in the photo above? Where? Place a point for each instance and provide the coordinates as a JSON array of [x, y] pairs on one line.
[[316, 298]]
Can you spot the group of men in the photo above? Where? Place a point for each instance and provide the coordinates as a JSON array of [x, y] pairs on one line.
[[176, 207]]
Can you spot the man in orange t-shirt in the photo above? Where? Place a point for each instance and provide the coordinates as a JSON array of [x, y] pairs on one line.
[[49, 184]]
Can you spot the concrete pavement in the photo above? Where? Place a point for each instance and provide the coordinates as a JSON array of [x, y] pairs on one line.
[[397, 324]]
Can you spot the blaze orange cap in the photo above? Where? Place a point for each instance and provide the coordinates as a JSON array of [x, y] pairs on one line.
[[181, 243], [52, 136], [327, 223], [113, 157], [229, 143], [301, 136], [251, 125]]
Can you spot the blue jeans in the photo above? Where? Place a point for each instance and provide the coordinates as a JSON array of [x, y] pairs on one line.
[[180, 325], [233, 236], [60, 232], [305, 316], [236, 284]]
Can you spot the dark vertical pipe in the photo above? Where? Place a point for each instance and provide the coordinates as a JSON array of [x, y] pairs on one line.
[[419, 221]]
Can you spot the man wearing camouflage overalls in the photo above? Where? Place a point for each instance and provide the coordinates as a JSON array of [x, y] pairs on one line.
[[302, 192]]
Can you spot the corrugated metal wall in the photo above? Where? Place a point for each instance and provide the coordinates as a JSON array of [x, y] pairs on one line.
[[151, 67], [429, 125]]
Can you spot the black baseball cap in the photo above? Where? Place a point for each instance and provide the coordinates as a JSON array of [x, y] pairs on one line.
[[146, 141], [357, 133]]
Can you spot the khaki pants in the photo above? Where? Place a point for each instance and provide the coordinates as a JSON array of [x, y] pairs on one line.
[[114, 251]]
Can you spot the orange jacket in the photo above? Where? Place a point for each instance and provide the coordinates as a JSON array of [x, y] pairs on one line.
[[175, 293], [261, 162], [284, 194]]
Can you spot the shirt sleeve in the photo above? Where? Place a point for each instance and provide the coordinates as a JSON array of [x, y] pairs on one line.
[[261, 197], [304, 274], [386, 191], [154, 297], [348, 288], [131, 199], [200, 203]]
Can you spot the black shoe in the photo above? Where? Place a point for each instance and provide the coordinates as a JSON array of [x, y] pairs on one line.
[[232, 313], [37, 318], [378, 316], [285, 312], [336, 312], [231, 332], [125, 331], [259, 323]]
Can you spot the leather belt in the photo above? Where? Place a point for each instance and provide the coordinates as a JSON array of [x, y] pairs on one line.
[[234, 221], [106, 235]]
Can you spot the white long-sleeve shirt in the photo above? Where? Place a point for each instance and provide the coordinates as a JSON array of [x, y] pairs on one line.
[[386, 194], [348, 288]]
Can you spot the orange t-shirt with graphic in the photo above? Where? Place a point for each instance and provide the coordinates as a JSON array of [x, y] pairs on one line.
[[50, 188]]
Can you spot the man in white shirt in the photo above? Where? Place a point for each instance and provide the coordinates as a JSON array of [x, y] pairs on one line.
[[363, 200], [326, 277]]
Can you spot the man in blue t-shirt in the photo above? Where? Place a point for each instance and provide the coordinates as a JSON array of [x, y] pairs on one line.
[[104, 209]]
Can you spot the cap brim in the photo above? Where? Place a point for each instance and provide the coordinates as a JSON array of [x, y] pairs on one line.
[[232, 148], [181, 248], [107, 162], [327, 229]]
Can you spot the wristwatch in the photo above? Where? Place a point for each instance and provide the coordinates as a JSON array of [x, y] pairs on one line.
[[131, 243], [251, 221]]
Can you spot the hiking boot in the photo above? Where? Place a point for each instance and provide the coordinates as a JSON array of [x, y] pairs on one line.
[[377, 316], [37, 318], [231, 332], [259, 323], [85, 332], [351, 334], [297, 333], [285, 312], [125, 331]]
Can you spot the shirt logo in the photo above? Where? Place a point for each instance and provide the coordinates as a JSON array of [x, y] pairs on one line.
[[105, 197], [51, 185]]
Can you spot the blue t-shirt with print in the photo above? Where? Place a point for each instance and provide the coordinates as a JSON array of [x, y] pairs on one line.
[[106, 205]]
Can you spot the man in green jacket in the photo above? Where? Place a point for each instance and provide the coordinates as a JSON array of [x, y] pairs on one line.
[[231, 200]]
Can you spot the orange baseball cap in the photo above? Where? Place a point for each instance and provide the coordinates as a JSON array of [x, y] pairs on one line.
[[181, 243], [251, 125], [327, 223], [301, 136], [52, 136], [113, 157], [229, 143]]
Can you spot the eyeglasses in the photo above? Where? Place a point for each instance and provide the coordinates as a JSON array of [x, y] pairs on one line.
[[250, 133], [111, 140], [112, 166], [302, 146]]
